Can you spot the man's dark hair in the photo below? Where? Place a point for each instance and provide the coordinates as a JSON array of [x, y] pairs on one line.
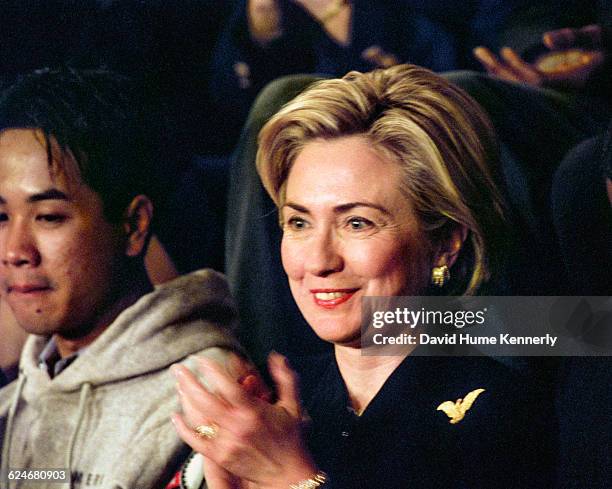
[[95, 115]]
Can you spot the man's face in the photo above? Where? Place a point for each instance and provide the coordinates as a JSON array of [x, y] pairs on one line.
[[58, 252]]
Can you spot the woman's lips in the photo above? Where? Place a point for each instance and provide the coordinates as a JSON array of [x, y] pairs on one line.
[[330, 298]]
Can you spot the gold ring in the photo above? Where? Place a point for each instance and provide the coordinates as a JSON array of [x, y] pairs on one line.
[[208, 431]]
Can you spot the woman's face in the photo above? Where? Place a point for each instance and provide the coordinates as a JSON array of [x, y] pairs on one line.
[[348, 233]]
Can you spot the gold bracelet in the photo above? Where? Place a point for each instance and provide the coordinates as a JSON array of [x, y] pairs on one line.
[[333, 10], [315, 481]]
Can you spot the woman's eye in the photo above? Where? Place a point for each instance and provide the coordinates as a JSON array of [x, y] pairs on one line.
[[3, 217], [296, 223], [359, 223]]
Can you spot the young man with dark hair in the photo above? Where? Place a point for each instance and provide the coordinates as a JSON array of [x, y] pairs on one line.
[[93, 395]]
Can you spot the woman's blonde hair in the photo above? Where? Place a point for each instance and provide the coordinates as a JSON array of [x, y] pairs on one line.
[[439, 136]]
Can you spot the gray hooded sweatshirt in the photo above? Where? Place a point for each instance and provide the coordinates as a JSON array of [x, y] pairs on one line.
[[106, 418]]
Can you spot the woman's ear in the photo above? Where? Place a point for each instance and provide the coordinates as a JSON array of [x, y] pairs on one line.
[[451, 246], [137, 225]]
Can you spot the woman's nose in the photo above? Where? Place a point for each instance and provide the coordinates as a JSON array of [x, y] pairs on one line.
[[18, 247], [324, 254]]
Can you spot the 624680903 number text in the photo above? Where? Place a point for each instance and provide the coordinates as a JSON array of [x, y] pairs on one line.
[[37, 475]]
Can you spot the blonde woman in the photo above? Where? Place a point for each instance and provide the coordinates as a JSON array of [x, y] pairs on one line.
[[384, 183]]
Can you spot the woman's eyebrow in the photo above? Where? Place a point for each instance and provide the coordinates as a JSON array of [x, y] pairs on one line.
[[296, 207], [339, 209], [351, 205]]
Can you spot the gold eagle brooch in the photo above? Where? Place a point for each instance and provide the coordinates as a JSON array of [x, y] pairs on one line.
[[456, 410]]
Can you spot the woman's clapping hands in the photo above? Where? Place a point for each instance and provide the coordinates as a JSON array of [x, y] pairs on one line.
[[255, 443]]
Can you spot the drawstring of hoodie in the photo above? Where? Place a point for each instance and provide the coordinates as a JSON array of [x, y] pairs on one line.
[[6, 449], [85, 391]]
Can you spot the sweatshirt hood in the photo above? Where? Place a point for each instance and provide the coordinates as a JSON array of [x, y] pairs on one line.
[[177, 319]]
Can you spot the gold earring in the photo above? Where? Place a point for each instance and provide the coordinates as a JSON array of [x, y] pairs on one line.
[[440, 275]]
